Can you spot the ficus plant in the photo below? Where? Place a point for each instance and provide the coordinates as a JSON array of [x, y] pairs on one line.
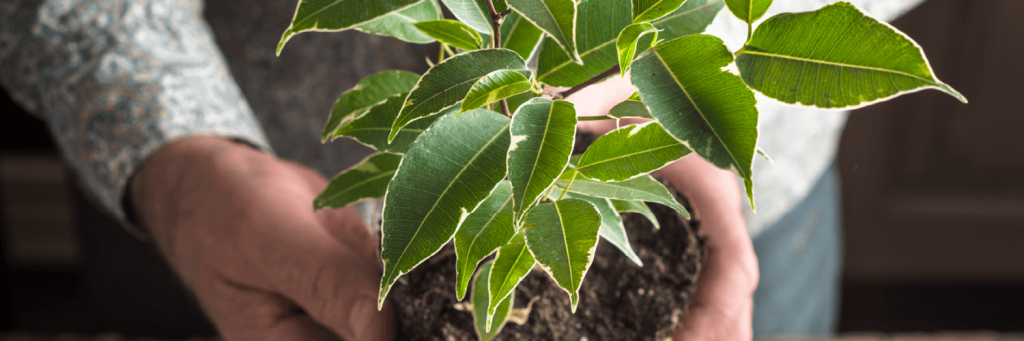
[[477, 149]]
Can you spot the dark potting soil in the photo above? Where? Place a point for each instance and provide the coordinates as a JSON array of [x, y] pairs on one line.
[[619, 300]]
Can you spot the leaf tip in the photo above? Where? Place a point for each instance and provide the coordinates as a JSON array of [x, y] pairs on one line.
[[952, 92], [685, 213], [750, 192], [576, 58], [395, 128], [380, 300], [284, 39], [386, 282], [461, 283]]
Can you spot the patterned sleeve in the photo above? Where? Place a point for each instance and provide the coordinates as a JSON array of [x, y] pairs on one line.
[[115, 80]]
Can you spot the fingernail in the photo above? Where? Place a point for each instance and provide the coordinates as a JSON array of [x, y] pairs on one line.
[[365, 319]]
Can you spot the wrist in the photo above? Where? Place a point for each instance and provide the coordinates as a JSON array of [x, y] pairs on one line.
[[174, 173], [712, 191]]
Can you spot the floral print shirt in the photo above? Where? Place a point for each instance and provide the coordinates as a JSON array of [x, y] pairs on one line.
[[115, 80]]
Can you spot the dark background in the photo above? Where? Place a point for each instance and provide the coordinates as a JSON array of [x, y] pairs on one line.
[[933, 196]]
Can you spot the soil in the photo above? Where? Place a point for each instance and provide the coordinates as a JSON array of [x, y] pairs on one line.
[[619, 300]]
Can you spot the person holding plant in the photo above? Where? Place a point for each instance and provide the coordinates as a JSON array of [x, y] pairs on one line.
[[145, 110]]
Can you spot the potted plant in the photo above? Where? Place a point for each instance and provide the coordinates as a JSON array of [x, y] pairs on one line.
[[478, 148]]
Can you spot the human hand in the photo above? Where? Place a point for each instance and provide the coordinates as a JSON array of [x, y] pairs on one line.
[[238, 226], [722, 307]]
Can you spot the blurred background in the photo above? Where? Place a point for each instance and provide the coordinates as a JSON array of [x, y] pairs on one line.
[[933, 198]]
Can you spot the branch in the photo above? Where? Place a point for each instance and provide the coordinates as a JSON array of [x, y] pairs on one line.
[[595, 118], [495, 24], [611, 72], [496, 43]]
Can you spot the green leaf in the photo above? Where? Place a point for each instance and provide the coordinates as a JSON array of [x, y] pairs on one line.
[[602, 21], [485, 230], [369, 91], [630, 108], [557, 18], [628, 38], [647, 10], [562, 236], [500, 6], [494, 87], [451, 32], [448, 171], [635, 97], [518, 34], [612, 229], [748, 10], [448, 82], [516, 101], [543, 134], [630, 151], [573, 160], [692, 17], [598, 23], [835, 57], [627, 206], [642, 188], [373, 127], [710, 110], [474, 13], [368, 179], [400, 24], [482, 321], [338, 15], [513, 262]]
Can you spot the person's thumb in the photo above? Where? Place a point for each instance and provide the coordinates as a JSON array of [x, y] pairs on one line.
[[340, 292], [334, 283], [249, 314]]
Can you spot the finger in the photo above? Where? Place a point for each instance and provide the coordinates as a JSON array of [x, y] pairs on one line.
[[333, 276], [325, 262], [248, 314], [340, 292], [723, 304], [706, 323], [721, 310], [346, 226]]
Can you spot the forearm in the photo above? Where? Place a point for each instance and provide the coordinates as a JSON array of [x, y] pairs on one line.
[[118, 80]]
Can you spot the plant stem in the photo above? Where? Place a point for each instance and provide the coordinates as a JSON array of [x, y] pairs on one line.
[[504, 109], [495, 24], [594, 118], [440, 53], [547, 196], [750, 30], [611, 72], [496, 42], [566, 189]]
